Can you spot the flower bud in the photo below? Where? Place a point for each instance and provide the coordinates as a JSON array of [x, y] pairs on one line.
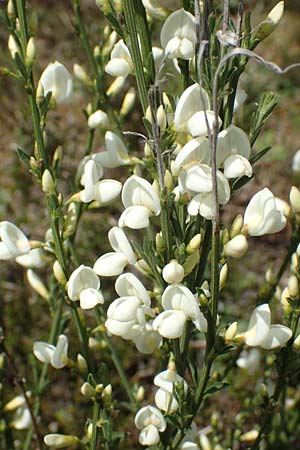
[[296, 344], [59, 273], [60, 440], [194, 244], [98, 119], [81, 362], [106, 394], [250, 435], [110, 42], [148, 151], [80, 73], [294, 263], [236, 247], [160, 117], [173, 272], [48, 184], [37, 284], [223, 276], [295, 200], [293, 286], [39, 93], [140, 394], [160, 243], [30, 52], [58, 155], [33, 22], [87, 390], [128, 102], [285, 296], [205, 444], [11, 12], [13, 46], [191, 262], [168, 180], [231, 332], [116, 86], [272, 20]]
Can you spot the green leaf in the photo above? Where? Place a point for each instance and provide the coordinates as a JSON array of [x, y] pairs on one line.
[[260, 154], [24, 157], [263, 112]]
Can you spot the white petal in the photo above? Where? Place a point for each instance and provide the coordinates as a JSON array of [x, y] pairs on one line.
[[106, 191], [170, 324], [119, 242], [57, 79], [135, 217], [236, 166], [82, 278], [150, 415], [128, 284], [278, 335], [98, 119], [139, 192], [33, 259], [4, 253], [43, 351], [259, 326], [197, 125], [22, 419], [117, 67], [60, 356], [192, 100], [149, 435], [110, 264], [199, 178], [14, 239], [195, 151], [89, 298], [165, 401]]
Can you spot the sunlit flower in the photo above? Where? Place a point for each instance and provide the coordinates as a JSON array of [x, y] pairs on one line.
[[57, 80], [155, 9], [296, 162], [115, 154], [164, 397], [120, 63], [236, 247], [22, 417], [98, 119], [173, 272], [13, 241], [57, 355], [178, 35], [34, 259], [262, 215], [83, 285], [150, 421], [60, 440]]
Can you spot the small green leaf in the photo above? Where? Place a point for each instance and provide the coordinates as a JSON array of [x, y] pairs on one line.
[[216, 387]]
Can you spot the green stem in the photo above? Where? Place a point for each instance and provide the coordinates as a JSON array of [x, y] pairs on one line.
[[133, 43], [96, 410], [83, 337], [204, 254], [23, 24]]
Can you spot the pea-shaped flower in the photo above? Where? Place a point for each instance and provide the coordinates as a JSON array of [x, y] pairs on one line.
[[262, 215], [261, 333], [141, 201], [120, 64], [178, 35], [83, 285], [57, 80], [179, 306], [164, 397], [13, 241], [150, 421], [22, 418], [113, 263], [115, 154], [57, 355]]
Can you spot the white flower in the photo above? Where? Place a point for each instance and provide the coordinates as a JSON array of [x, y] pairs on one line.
[[106, 191], [128, 284], [98, 119], [232, 141], [236, 247], [123, 314], [113, 263], [164, 397], [261, 333], [145, 338], [57, 80], [262, 215], [151, 421], [13, 241], [22, 417], [179, 306], [173, 272], [240, 98], [271, 22], [178, 35], [202, 122], [116, 152], [120, 64], [192, 100], [249, 360], [140, 200], [83, 285], [57, 355], [92, 172], [296, 162]]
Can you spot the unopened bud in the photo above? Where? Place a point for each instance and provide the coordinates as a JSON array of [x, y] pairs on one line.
[[110, 42], [296, 343], [106, 394], [59, 273], [269, 275], [293, 286], [143, 267], [285, 296], [58, 155], [294, 263], [98, 119], [205, 444], [194, 244], [236, 226], [33, 22], [140, 394], [168, 180], [231, 332], [13, 46], [116, 86], [71, 220], [190, 262], [160, 117], [249, 436], [264, 391], [80, 73], [148, 151], [128, 102], [81, 362], [48, 184], [87, 390], [236, 247], [160, 243], [271, 22], [223, 276], [225, 237], [60, 440], [36, 283], [11, 12], [30, 52], [173, 272], [295, 200], [40, 93]]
